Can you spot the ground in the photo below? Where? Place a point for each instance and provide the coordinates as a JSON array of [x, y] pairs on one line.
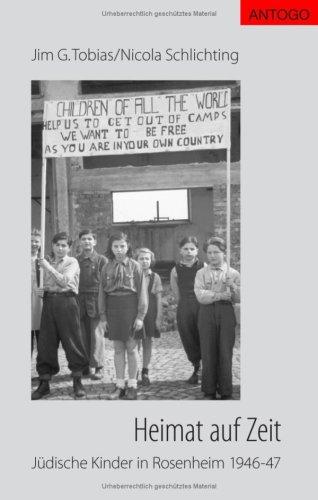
[[168, 372]]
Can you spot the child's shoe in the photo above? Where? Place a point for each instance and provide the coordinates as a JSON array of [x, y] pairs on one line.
[[79, 391], [209, 396], [145, 381], [41, 391], [117, 393], [131, 393], [194, 379]]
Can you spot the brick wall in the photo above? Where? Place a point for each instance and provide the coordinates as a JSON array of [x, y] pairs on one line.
[[92, 210]]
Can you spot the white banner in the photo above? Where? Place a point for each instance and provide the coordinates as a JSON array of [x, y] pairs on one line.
[[143, 124]]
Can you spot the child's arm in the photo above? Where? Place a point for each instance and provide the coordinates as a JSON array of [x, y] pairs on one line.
[[174, 284], [142, 298], [159, 309], [70, 271], [102, 261], [102, 299], [157, 291], [235, 286], [204, 296]]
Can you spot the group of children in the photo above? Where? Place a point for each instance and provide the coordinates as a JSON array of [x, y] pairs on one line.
[[88, 298]]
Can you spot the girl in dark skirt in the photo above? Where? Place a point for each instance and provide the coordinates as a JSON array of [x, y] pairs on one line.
[[123, 305], [182, 284], [152, 321]]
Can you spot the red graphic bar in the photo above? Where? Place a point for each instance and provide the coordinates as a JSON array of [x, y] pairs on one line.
[[279, 12]]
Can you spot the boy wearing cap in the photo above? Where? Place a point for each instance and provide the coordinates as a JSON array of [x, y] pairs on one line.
[[91, 264], [217, 288]]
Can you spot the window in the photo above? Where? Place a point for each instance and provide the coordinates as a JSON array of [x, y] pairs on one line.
[[150, 206]]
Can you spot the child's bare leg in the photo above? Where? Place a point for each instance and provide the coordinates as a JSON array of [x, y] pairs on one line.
[[119, 361], [132, 349], [146, 352], [132, 356], [146, 357]]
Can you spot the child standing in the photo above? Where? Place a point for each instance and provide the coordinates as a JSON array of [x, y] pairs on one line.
[[123, 305], [182, 284], [60, 319], [152, 321], [36, 300], [216, 288], [91, 264]]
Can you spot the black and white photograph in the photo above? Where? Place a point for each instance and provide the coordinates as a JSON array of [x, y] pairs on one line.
[[135, 240]]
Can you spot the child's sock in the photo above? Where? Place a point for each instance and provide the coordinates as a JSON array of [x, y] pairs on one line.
[[144, 371], [120, 383], [132, 382]]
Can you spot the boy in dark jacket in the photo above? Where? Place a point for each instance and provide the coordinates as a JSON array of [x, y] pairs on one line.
[[91, 264]]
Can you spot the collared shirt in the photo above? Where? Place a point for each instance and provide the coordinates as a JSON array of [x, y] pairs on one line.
[[120, 278], [63, 276], [210, 284], [157, 285], [91, 266]]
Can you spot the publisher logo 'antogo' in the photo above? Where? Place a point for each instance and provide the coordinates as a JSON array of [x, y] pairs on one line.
[[279, 12]]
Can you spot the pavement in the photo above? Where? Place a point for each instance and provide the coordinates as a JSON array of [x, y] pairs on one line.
[[169, 370]]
